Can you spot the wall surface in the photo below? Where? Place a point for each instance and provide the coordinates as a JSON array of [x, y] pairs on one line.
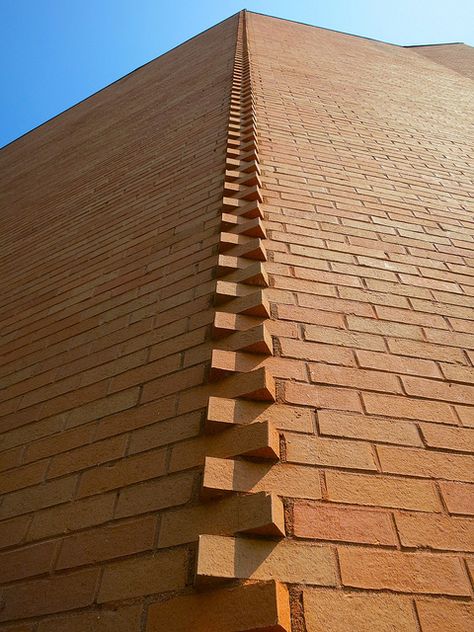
[[458, 57], [238, 345], [367, 171], [109, 228]]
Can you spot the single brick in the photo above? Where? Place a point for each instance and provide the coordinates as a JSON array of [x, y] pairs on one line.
[[260, 607], [222, 412], [443, 614], [107, 542], [425, 463], [243, 558], [163, 571], [284, 479], [339, 611], [118, 619], [258, 513], [379, 429], [344, 524], [45, 596], [256, 439], [332, 452], [71, 516], [122, 473], [383, 491], [459, 497], [167, 491], [435, 532], [403, 572]]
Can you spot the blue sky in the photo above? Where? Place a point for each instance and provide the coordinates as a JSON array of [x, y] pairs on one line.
[[54, 53]]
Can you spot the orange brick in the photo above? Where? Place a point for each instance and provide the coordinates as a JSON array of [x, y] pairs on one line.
[[341, 611], [263, 606], [153, 495], [380, 429], [122, 473], [402, 572], [426, 463], [161, 572], [225, 475], [354, 378], [320, 522], [434, 615], [383, 491], [293, 562], [258, 513], [335, 453], [435, 532], [459, 497], [222, 412], [45, 596], [107, 542], [322, 397], [71, 516], [256, 439], [120, 620], [448, 438], [404, 407]]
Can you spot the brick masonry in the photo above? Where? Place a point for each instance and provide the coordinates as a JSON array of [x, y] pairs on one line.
[[237, 344]]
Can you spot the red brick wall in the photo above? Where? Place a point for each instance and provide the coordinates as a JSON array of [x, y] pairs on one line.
[[182, 451], [367, 178], [109, 228]]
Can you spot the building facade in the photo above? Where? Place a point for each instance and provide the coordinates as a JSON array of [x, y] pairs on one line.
[[238, 343]]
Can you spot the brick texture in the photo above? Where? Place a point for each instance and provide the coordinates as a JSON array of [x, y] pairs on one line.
[[238, 343]]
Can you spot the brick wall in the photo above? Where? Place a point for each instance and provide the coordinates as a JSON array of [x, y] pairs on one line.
[[109, 228], [457, 57], [237, 334], [367, 177]]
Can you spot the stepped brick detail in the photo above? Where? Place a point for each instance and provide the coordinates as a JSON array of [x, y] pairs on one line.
[[237, 343]]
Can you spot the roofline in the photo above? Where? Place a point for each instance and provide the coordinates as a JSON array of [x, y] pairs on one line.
[[274, 17], [439, 44], [324, 28], [93, 94]]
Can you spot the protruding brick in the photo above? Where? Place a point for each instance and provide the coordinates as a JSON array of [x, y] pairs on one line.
[[225, 476], [259, 439], [222, 412], [254, 340], [243, 558], [259, 513], [260, 607], [239, 270]]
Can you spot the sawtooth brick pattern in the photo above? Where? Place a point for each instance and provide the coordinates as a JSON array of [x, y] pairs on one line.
[[287, 447], [367, 181]]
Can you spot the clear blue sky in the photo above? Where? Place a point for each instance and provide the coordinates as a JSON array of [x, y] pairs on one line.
[[54, 53]]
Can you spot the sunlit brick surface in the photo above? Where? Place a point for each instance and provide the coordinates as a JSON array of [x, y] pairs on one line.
[[238, 344], [367, 173]]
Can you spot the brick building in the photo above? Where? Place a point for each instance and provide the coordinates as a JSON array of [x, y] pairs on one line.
[[238, 343]]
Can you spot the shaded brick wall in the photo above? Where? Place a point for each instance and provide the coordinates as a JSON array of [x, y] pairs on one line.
[[457, 57], [109, 229]]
